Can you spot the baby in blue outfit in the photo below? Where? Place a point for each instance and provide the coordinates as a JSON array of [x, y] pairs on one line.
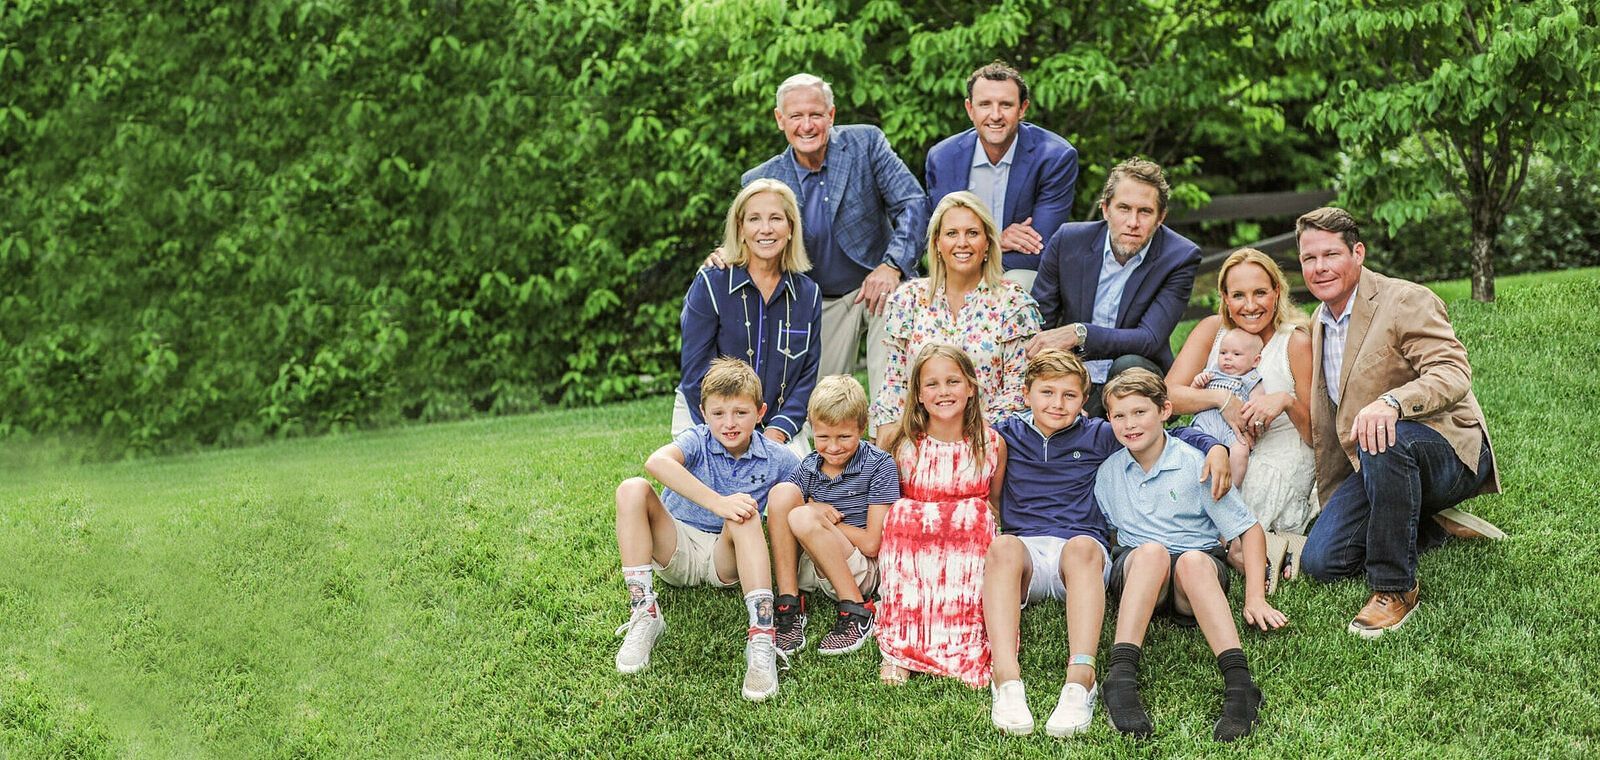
[[1238, 355]]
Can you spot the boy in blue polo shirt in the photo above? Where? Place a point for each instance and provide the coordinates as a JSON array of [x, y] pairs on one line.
[[1054, 543], [1172, 554], [833, 506], [705, 527]]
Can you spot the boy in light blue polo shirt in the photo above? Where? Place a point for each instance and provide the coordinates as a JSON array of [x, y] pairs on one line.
[[1172, 554], [705, 526]]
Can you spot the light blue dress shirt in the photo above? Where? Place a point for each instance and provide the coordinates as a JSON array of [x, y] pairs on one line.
[[1108, 298], [1334, 332], [988, 181], [1168, 505]]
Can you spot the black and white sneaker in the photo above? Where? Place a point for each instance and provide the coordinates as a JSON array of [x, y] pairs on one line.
[[850, 630], [790, 616]]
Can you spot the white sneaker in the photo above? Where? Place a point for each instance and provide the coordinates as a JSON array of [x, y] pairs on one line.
[[761, 667], [643, 629], [1074, 712], [1010, 711]]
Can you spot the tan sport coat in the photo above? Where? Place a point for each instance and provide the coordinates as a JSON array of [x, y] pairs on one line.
[[1400, 342]]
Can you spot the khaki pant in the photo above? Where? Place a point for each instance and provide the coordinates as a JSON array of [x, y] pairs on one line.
[[863, 568], [842, 325]]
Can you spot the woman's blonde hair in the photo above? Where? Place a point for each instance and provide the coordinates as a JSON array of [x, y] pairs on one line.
[[794, 257], [993, 267], [1286, 313], [914, 418]]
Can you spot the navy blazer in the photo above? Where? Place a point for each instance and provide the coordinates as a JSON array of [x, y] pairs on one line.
[[1152, 302], [880, 215], [724, 315], [1044, 171]]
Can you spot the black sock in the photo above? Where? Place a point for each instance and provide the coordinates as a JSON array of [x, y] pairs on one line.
[[789, 603], [1241, 699], [1235, 671], [1122, 692]]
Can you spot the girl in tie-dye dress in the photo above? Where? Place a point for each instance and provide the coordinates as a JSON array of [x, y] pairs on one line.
[[930, 611]]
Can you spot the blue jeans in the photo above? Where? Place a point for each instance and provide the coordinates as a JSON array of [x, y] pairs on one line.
[[1375, 518]]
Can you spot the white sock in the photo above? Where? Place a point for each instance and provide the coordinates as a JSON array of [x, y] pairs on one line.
[[759, 604], [641, 592]]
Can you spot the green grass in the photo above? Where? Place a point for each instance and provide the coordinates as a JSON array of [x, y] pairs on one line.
[[452, 590]]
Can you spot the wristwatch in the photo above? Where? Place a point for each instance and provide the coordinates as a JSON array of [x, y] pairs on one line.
[[1388, 398], [1082, 332]]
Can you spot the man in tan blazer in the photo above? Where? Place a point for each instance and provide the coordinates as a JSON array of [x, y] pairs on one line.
[[1398, 435]]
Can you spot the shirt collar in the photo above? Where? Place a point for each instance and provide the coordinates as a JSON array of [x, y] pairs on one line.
[[1026, 416], [757, 448], [1169, 458], [981, 157], [1332, 321], [800, 172], [1138, 258], [739, 277]]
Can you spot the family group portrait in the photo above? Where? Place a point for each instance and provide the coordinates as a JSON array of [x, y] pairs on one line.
[[799, 378]]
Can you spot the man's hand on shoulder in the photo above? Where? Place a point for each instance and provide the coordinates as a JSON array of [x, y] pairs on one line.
[[876, 289], [1022, 238], [1216, 470], [716, 259]]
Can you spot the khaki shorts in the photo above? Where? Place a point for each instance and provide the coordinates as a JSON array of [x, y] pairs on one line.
[[864, 569], [692, 563]]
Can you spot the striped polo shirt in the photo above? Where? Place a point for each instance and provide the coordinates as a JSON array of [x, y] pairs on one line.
[[870, 477]]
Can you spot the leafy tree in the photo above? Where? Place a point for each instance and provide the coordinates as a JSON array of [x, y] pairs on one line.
[[1454, 97]]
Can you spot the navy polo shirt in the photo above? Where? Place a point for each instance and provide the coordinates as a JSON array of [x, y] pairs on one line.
[[1049, 482], [836, 273], [870, 477], [724, 315]]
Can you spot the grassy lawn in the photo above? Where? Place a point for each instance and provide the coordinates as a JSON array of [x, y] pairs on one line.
[[452, 590]]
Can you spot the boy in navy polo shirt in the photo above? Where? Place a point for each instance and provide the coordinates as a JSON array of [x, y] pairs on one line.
[[1055, 540], [1172, 554], [705, 527], [833, 506]]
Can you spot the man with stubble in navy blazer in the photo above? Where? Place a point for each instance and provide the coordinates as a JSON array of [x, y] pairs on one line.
[[1113, 290], [1024, 173]]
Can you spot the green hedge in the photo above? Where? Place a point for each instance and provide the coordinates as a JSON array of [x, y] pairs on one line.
[[220, 221]]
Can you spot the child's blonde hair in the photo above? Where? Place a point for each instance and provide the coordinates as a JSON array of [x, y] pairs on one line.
[[730, 378], [838, 399], [1136, 381], [914, 418], [1052, 363]]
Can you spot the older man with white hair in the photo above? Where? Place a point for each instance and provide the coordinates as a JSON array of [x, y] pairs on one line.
[[863, 219]]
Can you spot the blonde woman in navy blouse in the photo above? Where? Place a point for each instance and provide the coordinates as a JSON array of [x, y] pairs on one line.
[[761, 309]]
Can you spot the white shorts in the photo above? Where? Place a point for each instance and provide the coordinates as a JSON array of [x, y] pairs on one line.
[[1045, 552], [692, 564], [863, 568]]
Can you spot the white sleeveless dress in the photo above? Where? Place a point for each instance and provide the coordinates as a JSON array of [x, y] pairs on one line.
[[1277, 486]]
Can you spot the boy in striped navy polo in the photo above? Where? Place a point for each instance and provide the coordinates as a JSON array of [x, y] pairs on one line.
[[833, 506], [1055, 541]]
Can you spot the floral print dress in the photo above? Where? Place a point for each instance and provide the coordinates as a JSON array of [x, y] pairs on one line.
[[930, 610], [993, 327]]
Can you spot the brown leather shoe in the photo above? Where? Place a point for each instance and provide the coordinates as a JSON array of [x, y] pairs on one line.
[[1385, 611], [1465, 525]]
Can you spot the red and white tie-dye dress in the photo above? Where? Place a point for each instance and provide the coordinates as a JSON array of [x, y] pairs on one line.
[[930, 610]]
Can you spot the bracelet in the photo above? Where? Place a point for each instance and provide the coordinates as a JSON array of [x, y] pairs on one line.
[[1082, 659], [1225, 403]]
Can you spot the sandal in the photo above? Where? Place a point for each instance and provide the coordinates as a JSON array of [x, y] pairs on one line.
[[890, 674], [1276, 544], [1295, 546]]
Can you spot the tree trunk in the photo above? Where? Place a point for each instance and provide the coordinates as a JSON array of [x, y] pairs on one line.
[[1485, 228]]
